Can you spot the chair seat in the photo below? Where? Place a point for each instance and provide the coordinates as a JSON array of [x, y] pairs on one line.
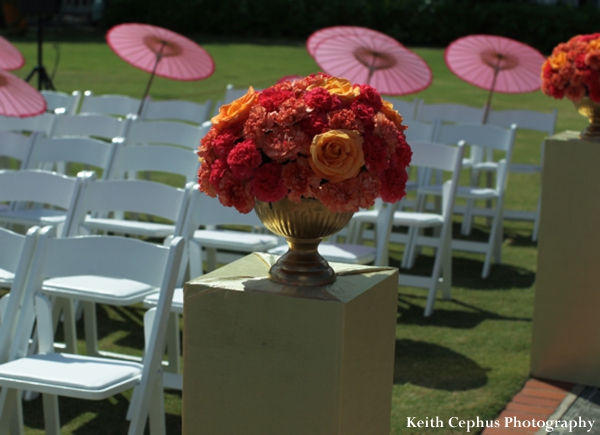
[[339, 252], [71, 372], [235, 240], [99, 289], [414, 219], [463, 192], [33, 216], [176, 306], [124, 226], [6, 276]]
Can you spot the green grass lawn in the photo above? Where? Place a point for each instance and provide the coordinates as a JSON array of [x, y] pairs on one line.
[[465, 361]]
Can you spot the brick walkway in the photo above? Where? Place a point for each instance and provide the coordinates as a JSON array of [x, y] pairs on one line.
[[537, 400]]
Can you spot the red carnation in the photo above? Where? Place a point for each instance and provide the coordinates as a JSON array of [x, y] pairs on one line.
[[376, 153], [299, 178], [243, 159], [393, 183], [236, 193], [370, 96], [321, 100], [267, 184], [224, 143], [218, 169], [365, 114], [271, 98], [315, 123]]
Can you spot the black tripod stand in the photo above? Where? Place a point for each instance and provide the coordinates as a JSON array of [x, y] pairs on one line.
[[44, 81]]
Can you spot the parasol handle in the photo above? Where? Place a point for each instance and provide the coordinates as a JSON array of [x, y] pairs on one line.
[[158, 58], [489, 98]]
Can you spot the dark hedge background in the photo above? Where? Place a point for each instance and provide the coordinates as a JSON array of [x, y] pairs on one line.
[[412, 22]]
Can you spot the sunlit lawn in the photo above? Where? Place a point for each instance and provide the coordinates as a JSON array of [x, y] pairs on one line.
[[467, 360]]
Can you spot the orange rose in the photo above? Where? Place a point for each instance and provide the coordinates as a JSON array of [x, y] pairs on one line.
[[341, 87], [594, 45], [337, 155], [388, 110], [237, 110]]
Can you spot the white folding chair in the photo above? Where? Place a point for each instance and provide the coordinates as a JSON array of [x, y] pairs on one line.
[[98, 199], [40, 198], [130, 161], [114, 105], [42, 123], [408, 109], [210, 213], [178, 134], [65, 103], [176, 110], [16, 146], [485, 137], [96, 126], [526, 120], [47, 153], [449, 112], [53, 374], [16, 252]]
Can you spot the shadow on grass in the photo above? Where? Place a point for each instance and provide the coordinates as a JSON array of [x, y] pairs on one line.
[[91, 417], [411, 307], [419, 363]]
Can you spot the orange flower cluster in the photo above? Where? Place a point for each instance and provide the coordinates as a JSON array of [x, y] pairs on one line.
[[573, 69], [316, 137]]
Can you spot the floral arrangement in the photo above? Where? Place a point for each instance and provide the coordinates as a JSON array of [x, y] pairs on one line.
[[573, 69], [316, 137]]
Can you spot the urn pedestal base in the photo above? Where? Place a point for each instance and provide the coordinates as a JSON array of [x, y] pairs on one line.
[[260, 358]]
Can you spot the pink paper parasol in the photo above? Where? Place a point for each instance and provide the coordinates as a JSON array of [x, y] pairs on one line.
[[10, 57], [160, 52], [367, 56], [495, 63], [18, 98], [321, 35]]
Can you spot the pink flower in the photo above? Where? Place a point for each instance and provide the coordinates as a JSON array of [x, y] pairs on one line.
[[300, 179], [341, 196], [285, 143], [345, 119], [267, 184], [243, 159], [289, 112]]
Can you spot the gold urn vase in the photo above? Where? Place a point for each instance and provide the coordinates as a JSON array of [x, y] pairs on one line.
[[303, 225], [591, 110]]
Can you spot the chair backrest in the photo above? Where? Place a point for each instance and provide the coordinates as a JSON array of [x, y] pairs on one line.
[[204, 210], [483, 135], [133, 159], [17, 146], [408, 109], [97, 126], [442, 157], [116, 105], [56, 100], [176, 110], [42, 123], [15, 256], [165, 133], [418, 130], [47, 152], [136, 196], [544, 122], [449, 112], [41, 187]]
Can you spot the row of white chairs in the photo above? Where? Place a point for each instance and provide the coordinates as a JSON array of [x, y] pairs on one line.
[[77, 103], [28, 359], [478, 162]]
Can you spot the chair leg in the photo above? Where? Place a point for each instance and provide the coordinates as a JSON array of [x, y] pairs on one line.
[[11, 412], [173, 343], [446, 254], [431, 297], [157, 409], [91, 328], [64, 308], [51, 415], [494, 244]]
